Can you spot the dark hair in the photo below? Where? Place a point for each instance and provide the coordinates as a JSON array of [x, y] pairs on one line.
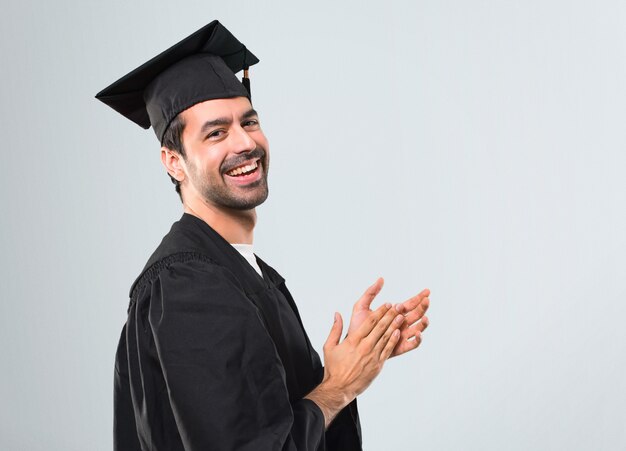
[[173, 140]]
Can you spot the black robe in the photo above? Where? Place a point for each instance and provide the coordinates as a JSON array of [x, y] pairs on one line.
[[215, 357]]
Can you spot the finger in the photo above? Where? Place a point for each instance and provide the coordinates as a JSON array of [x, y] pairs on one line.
[[392, 320], [421, 325], [370, 322], [407, 341], [418, 312], [390, 346], [413, 302], [403, 346], [416, 328], [412, 318], [366, 299], [335, 332], [388, 333]]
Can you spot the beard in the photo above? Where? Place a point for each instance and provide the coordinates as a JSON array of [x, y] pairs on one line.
[[214, 189]]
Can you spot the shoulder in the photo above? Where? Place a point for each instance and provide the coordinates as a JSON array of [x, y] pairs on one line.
[[184, 288], [187, 242], [186, 270]]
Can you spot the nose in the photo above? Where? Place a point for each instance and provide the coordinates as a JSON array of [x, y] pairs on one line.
[[242, 141]]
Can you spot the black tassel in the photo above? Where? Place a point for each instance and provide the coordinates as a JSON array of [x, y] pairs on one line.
[[246, 82]]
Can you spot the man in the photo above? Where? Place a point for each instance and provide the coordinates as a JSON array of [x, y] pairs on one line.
[[213, 355]]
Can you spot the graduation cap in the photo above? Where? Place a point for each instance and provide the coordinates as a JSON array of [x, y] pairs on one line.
[[200, 67]]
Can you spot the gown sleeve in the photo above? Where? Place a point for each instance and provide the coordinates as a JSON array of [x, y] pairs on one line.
[[224, 378]]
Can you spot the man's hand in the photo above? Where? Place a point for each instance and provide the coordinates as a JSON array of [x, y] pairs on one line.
[[350, 366], [413, 310]]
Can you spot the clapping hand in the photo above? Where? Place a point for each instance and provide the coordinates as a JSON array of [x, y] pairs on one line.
[[413, 310]]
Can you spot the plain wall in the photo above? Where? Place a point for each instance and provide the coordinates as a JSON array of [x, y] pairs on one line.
[[475, 148]]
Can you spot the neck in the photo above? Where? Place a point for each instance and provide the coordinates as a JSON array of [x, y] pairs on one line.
[[235, 226]]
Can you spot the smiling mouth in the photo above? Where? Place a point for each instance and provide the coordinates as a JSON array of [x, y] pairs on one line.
[[244, 169]]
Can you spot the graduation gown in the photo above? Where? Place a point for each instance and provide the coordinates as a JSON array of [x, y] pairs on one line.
[[215, 357]]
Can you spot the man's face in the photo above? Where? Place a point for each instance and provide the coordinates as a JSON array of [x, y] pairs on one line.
[[227, 154]]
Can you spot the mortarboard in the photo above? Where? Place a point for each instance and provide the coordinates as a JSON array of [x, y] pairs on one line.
[[200, 67]]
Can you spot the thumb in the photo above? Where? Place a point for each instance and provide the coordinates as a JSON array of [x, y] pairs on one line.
[[335, 333], [365, 301]]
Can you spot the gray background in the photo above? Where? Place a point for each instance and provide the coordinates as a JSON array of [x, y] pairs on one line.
[[475, 148]]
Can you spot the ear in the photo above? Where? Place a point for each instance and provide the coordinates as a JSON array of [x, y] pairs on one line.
[[172, 161]]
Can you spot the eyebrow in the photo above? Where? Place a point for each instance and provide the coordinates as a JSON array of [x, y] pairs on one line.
[[248, 114], [225, 121]]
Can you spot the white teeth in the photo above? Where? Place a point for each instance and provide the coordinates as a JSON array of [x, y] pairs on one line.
[[243, 169]]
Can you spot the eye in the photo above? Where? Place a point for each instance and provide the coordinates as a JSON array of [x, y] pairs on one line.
[[250, 123], [216, 134]]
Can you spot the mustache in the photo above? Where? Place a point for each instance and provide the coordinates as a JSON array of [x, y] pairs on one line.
[[257, 152]]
